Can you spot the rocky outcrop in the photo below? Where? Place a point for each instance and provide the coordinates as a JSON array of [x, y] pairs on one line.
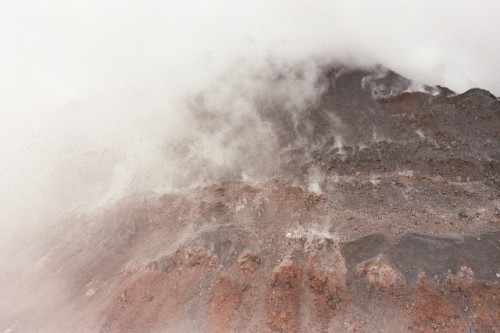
[[384, 216]]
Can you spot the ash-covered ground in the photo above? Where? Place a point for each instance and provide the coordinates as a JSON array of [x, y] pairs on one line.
[[380, 212]]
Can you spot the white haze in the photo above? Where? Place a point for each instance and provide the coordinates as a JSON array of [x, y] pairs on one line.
[[95, 96]]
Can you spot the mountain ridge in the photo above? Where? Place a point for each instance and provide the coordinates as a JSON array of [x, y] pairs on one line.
[[380, 212]]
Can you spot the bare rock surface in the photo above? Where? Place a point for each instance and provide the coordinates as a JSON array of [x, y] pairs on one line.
[[384, 217]]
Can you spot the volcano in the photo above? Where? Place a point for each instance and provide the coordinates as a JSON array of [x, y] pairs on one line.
[[379, 211]]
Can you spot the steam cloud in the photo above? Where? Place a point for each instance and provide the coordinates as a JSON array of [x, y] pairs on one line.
[[103, 99]]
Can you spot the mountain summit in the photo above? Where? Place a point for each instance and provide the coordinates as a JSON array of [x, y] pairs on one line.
[[372, 205]]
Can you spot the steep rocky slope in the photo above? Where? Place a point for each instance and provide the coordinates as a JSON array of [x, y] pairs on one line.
[[382, 215]]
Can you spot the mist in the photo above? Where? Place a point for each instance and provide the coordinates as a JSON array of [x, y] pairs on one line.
[[100, 100]]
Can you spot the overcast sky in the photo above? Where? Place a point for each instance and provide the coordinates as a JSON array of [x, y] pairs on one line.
[[55, 51], [136, 55]]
